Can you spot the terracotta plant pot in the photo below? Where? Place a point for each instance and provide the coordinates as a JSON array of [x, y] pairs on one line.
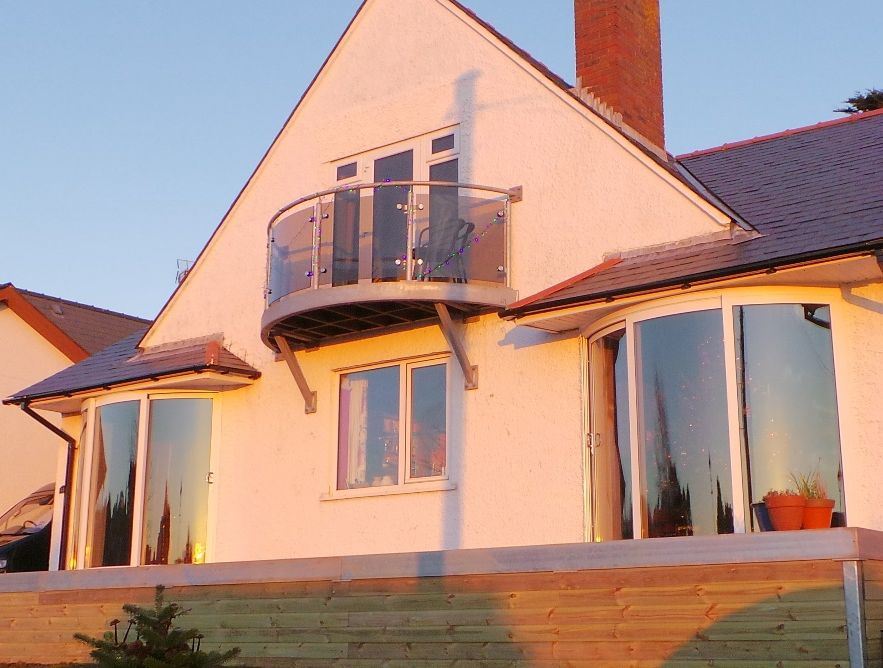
[[786, 511], [817, 513]]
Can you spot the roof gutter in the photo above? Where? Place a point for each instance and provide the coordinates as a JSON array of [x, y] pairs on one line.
[[68, 474], [199, 368]]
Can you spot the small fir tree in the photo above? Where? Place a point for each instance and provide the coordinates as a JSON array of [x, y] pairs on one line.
[[867, 101], [157, 642]]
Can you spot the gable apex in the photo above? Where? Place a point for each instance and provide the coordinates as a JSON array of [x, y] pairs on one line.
[[556, 87]]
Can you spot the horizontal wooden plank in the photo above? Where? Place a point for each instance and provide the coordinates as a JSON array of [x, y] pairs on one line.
[[478, 609], [269, 662], [639, 630], [873, 570], [140, 596], [617, 577]]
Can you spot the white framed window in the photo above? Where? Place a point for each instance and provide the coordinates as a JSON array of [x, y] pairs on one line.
[[144, 481], [699, 407], [393, 425], [409, 159]]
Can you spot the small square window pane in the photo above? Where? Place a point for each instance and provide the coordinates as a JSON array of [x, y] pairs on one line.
[[346, 171], [368, 429], [428, 421], [445, 143]]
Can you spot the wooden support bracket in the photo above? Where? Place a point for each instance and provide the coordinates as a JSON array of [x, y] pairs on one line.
[[457, 346], [299, 378]]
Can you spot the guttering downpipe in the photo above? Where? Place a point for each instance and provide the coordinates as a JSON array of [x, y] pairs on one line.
[[68, 474]]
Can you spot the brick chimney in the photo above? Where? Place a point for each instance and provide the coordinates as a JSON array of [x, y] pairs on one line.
[[619, 61]]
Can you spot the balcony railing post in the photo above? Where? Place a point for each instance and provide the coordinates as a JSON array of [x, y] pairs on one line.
[[411, 233], [317, 240], [507, 243]]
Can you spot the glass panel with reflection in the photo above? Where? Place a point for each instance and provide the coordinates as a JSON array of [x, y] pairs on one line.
[[112, 490], [175, 488], [785, 363], [611, 465], [346, 234], [682, 423], [428, 421], [368, 429]]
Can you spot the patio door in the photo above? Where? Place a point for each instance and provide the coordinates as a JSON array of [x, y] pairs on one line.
[[609, 454]]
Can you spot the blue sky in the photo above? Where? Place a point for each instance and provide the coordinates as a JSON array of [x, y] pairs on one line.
[[127, 128]]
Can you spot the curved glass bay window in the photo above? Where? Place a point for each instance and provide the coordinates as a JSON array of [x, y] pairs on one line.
[[146, 486], [697, 414]]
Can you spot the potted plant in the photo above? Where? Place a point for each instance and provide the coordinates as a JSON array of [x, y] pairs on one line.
[[785, 508], [819, 508]]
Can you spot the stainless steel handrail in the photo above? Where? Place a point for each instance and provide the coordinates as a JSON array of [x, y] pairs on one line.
[[511, 192]]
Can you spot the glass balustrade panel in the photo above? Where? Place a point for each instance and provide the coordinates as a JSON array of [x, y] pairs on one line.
[[291, 253], [341, 239], [390, 228], [459, 238]]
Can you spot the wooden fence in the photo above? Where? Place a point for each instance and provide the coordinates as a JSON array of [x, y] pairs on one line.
[[787, 612]]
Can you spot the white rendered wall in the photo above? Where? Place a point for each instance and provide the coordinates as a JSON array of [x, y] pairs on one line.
[[587, 190], [409, 67], [858, 359], [28, 450], [513, 451]]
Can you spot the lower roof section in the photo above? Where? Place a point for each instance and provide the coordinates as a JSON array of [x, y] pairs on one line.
[[124, 363]]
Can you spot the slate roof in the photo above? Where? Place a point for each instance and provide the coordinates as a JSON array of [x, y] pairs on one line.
[[811, 193], [123, 362], [90, 327]]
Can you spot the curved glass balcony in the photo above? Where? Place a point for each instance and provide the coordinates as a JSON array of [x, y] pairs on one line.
[[354, 260]]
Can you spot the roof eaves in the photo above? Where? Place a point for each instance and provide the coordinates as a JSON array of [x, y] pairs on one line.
[[735, 271], [252, 374]]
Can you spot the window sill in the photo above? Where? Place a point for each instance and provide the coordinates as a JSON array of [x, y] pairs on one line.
[[391, 490]]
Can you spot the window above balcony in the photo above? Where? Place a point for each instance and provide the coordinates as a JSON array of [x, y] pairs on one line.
[[380, 249]]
